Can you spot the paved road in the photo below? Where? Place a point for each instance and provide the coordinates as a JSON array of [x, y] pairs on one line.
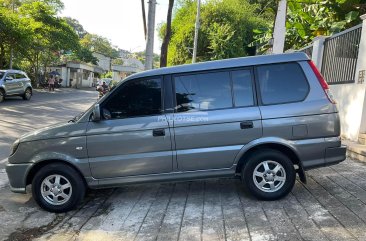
[[18, 116], [332, 206]]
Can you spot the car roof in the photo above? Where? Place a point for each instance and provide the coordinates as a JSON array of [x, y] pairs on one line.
[[223, 64], [12, 71]]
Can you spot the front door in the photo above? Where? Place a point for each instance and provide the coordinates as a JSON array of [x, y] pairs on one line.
[[11, 84], [133, 137], [216, 115]]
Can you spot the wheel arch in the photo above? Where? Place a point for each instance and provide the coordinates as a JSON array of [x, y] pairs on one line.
[[283, 148], [36, 167]]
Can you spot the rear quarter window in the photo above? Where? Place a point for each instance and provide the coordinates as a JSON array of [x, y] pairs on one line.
[[282, 83]]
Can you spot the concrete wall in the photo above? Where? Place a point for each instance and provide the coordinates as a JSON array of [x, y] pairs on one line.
[[350, 101], [351, 98]]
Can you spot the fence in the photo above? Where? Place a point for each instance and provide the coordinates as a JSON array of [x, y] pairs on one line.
[[340, 56], [307, 50]]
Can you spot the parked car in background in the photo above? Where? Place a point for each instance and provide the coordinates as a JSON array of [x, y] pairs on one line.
[[15, 83], [262, 119]]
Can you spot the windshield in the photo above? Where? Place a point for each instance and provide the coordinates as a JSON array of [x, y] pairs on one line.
[[1, 74]]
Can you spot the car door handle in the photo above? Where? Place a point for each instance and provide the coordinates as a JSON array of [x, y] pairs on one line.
[[158, 132], [246, 125]]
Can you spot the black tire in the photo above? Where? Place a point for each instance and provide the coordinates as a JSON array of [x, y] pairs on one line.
[[253, 182], [67, 172], [2, 95], [27, 94]]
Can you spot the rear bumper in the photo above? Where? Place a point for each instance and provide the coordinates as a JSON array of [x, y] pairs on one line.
[[334, 155], [17, 174], [320, 152]]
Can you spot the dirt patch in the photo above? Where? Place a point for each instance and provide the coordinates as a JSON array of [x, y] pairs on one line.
[[30, 234]]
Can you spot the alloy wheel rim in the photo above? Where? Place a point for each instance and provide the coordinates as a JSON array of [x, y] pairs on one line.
[[269, 176], [56, 189]]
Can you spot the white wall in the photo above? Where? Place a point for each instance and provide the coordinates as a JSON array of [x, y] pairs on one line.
[[350, 101]]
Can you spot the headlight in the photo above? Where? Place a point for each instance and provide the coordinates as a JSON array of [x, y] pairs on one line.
[[14, 147]]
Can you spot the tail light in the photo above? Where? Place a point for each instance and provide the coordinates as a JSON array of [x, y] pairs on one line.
[[322, 82]]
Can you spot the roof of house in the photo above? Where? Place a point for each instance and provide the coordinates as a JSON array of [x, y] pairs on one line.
[[226, 63]]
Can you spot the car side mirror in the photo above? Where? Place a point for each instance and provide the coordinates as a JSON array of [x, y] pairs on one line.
[[96, 113]]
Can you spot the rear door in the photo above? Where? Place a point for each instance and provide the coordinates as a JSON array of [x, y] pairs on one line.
[[215, 115], [21, 80]]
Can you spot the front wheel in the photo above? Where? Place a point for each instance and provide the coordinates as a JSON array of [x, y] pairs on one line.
[[58, 188], [269, 174]]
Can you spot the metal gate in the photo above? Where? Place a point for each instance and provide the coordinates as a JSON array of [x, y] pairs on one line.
[[340, 56]]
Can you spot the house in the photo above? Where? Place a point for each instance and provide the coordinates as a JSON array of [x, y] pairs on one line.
[[129, 66], [77, 74]]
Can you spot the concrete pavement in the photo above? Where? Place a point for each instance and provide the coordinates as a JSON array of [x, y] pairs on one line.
[[332, 206]]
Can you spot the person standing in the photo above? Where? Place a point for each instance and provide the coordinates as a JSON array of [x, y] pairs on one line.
[[51, 83]]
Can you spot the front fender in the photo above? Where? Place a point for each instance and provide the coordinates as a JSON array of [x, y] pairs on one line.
[[81, 164]]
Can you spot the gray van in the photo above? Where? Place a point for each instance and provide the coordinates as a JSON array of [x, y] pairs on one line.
[[262, 119], [15, 83]]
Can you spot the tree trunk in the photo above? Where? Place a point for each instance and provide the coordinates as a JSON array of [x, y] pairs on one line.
[[2, 56], [168, 33], [144, 16]]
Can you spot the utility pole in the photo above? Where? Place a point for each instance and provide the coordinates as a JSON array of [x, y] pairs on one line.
[[197, 27], [279, 31], [150, 35]]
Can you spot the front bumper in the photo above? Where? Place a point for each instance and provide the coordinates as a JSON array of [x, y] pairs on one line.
[[17, 175]]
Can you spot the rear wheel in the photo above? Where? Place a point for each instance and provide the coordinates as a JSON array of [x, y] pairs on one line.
[[58, 188], [2, 95], [269, 174], [27, 94]]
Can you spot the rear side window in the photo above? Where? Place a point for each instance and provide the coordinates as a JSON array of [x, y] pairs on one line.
[[203, 91], [282, 83], [20, 76]]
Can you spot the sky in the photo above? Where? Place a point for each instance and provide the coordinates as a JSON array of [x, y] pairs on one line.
[[120, 21]]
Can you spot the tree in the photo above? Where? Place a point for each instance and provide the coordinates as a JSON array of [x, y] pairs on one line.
[[78, 28], [226, 30], [14, 33], [307, 19], [35, 33], [96, 43], [167, 36]]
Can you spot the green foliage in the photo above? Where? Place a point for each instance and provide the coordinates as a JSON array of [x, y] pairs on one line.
[[307, 19], [226, 30], [35, 33], [107, 75], [96, 43], [117, 61], [78, 28], [141, 57]]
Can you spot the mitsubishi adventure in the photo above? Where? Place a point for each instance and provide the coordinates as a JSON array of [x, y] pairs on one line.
[[263, 119]]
